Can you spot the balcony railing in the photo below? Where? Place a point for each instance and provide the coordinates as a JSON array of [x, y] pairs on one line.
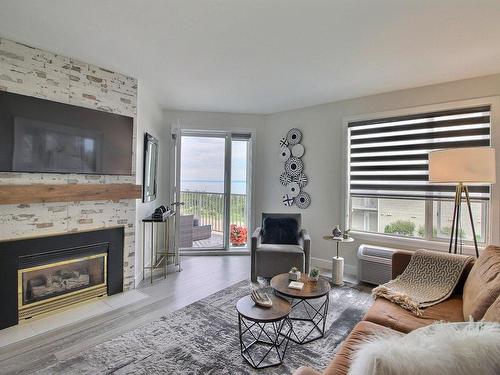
[[209, 208]]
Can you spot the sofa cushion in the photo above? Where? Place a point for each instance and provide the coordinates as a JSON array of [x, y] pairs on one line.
[[482, 286], [388, 314], [280, 231], [493, 312], [342, 360]]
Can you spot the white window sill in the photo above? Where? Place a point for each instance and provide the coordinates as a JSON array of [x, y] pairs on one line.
[[408, 243]]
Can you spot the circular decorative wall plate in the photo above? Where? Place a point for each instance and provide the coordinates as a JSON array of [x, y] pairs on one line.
[[303, 200], [285, 179], [284, 154], [293, 189], [294, 136], [301, 180], [298, 150], [287, 200], [283, 142], [294, 166]]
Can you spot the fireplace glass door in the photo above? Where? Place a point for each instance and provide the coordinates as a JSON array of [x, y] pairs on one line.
[[47, 287]]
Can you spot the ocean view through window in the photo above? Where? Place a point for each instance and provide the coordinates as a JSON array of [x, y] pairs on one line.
[[214, 186]]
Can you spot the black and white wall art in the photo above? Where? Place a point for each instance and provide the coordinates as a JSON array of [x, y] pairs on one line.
[[293, 179]]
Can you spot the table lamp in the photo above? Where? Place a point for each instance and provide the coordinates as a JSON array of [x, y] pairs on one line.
[[462, 166]]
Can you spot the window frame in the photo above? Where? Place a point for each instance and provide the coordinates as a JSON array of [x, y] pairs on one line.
[[493, 207], [428, 224]]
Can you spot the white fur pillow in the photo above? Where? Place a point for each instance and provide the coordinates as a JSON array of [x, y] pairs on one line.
[[442, 348]]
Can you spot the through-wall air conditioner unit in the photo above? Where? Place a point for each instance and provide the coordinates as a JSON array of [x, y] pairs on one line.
[[374, 264]]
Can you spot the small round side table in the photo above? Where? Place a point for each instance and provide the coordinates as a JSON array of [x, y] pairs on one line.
[[262, 327], [338, 262]]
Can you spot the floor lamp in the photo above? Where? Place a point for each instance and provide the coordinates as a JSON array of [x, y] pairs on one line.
[[462, 166]]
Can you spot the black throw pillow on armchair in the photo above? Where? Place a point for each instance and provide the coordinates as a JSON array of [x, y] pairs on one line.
[[284, 231]]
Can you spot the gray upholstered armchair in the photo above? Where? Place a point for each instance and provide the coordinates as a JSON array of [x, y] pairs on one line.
[[271, 259]]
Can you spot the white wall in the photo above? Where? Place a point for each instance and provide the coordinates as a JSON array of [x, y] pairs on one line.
[[324, 141], [150, 119]]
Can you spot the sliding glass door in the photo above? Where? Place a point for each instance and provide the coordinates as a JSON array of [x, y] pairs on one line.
[[214, 186], [239, 216]]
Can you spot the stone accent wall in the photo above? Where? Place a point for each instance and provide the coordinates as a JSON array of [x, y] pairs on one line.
[[31, 71]]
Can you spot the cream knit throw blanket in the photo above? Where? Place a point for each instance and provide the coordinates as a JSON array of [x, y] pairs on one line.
[[430, 278]]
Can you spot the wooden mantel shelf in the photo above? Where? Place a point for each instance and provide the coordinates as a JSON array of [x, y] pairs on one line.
[[40, 193]]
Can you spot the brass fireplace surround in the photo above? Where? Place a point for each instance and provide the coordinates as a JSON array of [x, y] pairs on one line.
[[70, 298]]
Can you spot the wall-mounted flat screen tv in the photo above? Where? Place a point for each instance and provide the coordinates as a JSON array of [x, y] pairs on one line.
[[38, 135]]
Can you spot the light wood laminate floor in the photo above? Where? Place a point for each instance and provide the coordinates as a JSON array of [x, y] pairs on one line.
[[200, 277]]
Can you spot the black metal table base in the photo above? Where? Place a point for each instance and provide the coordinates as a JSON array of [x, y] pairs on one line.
[[315, 319], [272, 341]]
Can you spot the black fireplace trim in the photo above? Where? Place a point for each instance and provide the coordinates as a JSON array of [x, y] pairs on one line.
[[11, 253]]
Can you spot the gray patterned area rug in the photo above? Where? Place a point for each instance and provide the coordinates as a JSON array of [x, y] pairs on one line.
[[202, 338]]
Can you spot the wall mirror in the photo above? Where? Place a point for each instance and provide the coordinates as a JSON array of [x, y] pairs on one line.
[[150, 178]]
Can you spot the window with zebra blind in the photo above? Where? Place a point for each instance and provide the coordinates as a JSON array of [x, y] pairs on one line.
[[388, 179]]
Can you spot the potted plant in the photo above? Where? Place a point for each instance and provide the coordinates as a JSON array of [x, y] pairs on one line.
[[238, 235], [294, 274], [314, 274]]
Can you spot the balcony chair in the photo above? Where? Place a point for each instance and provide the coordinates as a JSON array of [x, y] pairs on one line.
[[191, 230], [279, 245]]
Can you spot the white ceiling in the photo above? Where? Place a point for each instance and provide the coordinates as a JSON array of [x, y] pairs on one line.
[[263, 56]]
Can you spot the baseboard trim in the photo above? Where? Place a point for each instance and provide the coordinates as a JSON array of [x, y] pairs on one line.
[[327, 264], [213, 252]]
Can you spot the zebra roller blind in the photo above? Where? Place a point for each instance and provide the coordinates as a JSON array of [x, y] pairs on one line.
[[388, 157]]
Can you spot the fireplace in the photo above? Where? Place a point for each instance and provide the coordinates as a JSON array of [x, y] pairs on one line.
[[54, 285], [40, 275]]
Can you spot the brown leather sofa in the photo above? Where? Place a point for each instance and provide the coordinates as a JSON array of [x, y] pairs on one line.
[[476, 295]]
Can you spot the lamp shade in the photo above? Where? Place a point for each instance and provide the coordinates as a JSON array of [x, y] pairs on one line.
[[466, 165]]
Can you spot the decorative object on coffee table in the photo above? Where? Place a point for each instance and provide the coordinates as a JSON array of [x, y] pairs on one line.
[[314, 274], [468, 165], [303, 305], [261, 298], [338, 262], [263, 328], [294, 274]]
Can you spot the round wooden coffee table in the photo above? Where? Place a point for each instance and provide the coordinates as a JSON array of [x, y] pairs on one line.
[[261, 331], [312, 314]]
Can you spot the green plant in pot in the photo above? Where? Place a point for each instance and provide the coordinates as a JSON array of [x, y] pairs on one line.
[[314, 274]]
